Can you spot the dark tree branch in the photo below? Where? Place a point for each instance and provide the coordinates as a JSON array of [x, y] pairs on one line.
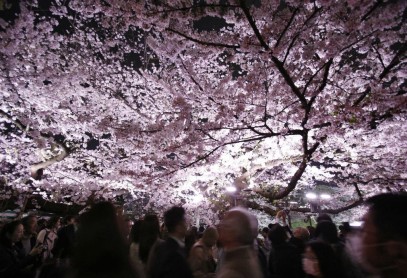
[[253, 24], [286, 27], [358, 191], [379, 56], [326, 73], [362, 97], [203, 42], [17, 122], [331, 211], [357, 41], [314, 13], [194, 7], [372, 9], [301, 169], [192, 78], [266, 209], [396, 60], [289, 81]]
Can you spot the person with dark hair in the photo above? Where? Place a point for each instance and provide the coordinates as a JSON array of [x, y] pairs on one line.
[[381, 247], [101, 250], [29, 238], [323, 217], [47, 237], [201, 258], [149, 235], [135, 248], [13, 261], [41, 224], [168, 259], [319, 261], [326, 231], [127, 225], [266, 241], [344, 230], [191, 238], [63, 246], [311, 231], [68, 220], [284, 258]]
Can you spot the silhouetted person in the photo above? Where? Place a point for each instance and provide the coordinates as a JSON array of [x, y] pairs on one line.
[[29, 238], [192, 236], [323, 217], [382, 244], [47, 237], [149, 235], [300, 238], [135, 248], [319, 260], [101, 250], [14, 262], [237, 234], [201, 258], [168, 259], [64, 244], [285, 258]]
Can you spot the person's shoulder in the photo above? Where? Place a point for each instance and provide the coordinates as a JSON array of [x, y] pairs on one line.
[[229, 272]]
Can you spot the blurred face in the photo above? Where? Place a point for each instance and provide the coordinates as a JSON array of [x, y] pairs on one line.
[[58, 224], [310, 263], [31, 226], [17, 234], [182, 228], [373, 247]]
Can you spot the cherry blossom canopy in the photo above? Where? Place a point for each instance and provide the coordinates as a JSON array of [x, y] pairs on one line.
[[155, 103]]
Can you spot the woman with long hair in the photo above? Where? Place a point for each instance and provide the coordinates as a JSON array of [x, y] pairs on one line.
[[48, 236], [13, 261], [320, 261], [149, 235], [101, 249]]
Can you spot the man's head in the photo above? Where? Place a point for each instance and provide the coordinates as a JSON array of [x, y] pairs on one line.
[[174, 220], [30, 225], [69, 219], [265, 232], [301, 233], [323, 217], [237, 228], [384, 234], [277, 235], [210, 236]]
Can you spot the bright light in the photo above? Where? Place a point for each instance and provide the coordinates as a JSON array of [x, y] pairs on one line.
[[325, 196], [311, 196], [356, 223], [231, 189]]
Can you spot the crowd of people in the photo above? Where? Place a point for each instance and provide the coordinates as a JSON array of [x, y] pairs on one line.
[[101, 243]]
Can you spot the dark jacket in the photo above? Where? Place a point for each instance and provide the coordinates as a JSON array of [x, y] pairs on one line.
[[65, 242], [13, 262], [168, 260], [33, 241], [285, 261]]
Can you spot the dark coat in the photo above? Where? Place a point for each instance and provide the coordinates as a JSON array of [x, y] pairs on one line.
[[33, 241], [13, 261], [285, 261], [168, 260], [65, 242]]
